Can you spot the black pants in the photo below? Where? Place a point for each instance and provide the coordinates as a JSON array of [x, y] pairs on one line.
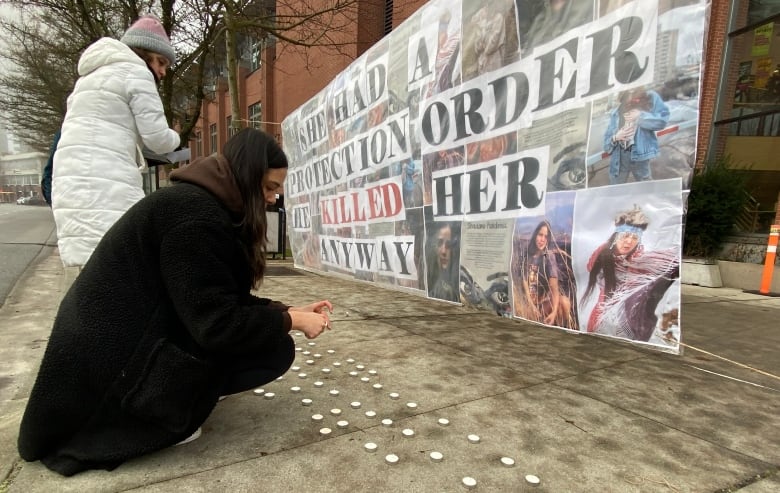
[[260, 368]]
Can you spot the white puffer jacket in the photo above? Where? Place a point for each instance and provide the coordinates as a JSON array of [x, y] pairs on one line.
[[114, 108]]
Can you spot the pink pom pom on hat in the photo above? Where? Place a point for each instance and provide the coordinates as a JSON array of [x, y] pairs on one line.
[[148, 33]]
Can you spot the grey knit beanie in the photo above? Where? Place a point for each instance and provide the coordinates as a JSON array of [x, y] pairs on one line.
[[148, 33]]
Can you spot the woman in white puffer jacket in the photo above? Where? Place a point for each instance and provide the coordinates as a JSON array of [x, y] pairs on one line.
[[114, 110]]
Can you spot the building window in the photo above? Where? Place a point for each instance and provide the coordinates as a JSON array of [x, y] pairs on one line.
[[754, 73], [747, 122], [22, 180], [213, 136], [231, 131], [198, 144], [760, 10], [255, 115], [255, 62]]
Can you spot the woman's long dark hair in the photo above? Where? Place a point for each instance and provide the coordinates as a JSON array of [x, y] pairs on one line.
[[146, 56], [532, 241], [635, 98], [605, 262], [251, 153]]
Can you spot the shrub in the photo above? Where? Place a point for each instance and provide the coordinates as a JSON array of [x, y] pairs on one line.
[[718, 194]]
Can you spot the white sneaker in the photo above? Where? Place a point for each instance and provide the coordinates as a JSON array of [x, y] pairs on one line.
[[190, 438]]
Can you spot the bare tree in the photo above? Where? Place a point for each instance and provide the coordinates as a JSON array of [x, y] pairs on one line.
[[195, 29], [43, 48], [41, 51], [294, 24]]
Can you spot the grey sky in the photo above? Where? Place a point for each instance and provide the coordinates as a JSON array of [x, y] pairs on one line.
[[6, 12]]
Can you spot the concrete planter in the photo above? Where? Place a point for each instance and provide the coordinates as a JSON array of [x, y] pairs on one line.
[[701, 272], [741, 275]]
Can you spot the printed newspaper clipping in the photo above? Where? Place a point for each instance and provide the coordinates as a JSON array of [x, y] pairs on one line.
[[522, 157]]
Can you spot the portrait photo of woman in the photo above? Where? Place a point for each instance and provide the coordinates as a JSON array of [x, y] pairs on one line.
[[627, 280], [543, 286]]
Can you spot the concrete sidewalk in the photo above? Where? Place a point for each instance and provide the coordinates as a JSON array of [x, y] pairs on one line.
[[581, 413]]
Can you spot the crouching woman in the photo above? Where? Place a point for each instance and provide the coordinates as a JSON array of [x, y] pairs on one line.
[[161, 322]]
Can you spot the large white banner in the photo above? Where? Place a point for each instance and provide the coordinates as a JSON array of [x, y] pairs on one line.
[[528, 157]]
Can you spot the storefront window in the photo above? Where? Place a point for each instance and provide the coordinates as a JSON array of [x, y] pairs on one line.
[[754, 109], [758, 10], [747, 123]]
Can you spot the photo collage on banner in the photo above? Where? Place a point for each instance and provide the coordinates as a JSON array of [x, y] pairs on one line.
[[526, 157]]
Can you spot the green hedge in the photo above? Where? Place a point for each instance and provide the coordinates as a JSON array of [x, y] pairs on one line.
[[718, 194]]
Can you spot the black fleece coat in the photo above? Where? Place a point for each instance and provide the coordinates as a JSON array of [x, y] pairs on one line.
[[141, 342]]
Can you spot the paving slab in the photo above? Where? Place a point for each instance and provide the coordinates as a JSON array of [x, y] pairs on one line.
[[25, 324], [526, 348], [582, 413], [727, 324], [730, 414], [571, 442]]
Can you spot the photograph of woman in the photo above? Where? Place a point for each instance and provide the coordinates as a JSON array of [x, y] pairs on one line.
[[543, 284], [540, 298], [630, 138], [628, 280], [443, 258]]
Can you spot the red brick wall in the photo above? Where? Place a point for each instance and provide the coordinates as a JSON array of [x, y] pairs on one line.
[[370, 24], [715, 44], [403, 10], [299, 73], [253, 87], [291, 75], [243, 89], [206, 115], [268, 81], [298, 78]]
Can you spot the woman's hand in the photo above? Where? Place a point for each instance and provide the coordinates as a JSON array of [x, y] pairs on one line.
[[316, 307], [311, 319], [632, 115], [624, 134], [311, 323]]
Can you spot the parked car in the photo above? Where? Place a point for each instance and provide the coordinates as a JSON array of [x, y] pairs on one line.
[[30, 201], [35, 201]]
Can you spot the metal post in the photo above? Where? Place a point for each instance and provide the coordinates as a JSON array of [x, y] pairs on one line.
[[282, 231]]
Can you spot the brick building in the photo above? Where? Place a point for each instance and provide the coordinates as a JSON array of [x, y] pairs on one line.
[[20, 175], [739, 110], [280, 79]]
